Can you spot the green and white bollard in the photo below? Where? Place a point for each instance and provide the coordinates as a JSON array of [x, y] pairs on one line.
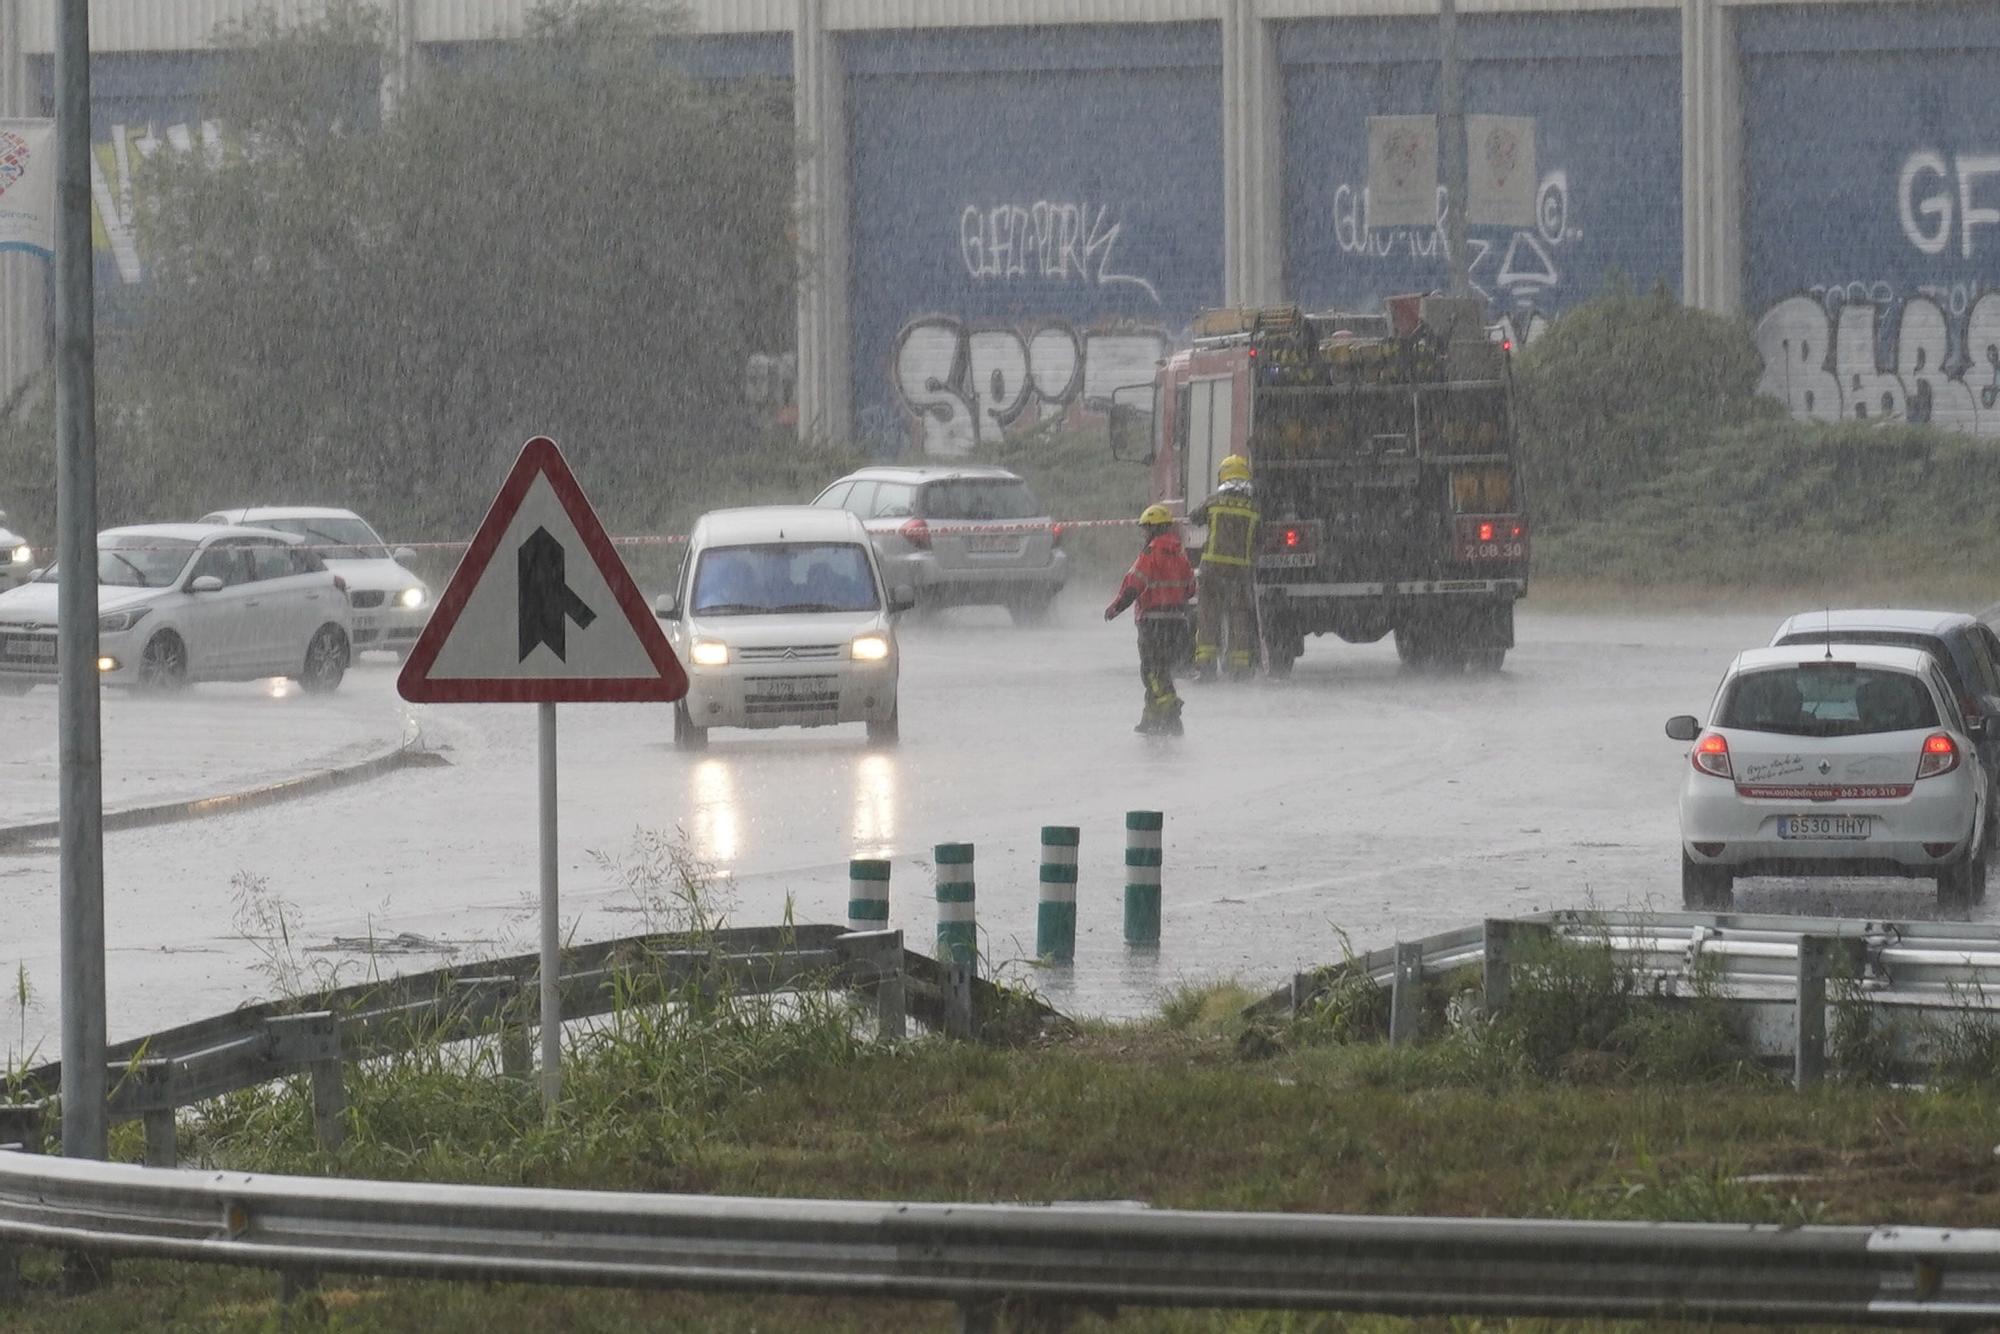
[[957, 932], [1055, 922], [868, 894], [1142, 877]]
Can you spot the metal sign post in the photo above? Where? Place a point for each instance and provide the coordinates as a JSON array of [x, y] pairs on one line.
[[542, 611], [81, 835]]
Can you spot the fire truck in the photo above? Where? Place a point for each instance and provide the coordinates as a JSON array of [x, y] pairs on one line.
[[1382, 454]]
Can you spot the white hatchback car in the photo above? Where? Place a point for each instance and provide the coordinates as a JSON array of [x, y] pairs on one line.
[[183, 602], [390, 604], [781, 618], [1835, 759]]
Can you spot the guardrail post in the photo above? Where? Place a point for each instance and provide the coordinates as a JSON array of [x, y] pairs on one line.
[[1303, 985], [1498, 967], [957, 924], [20, 1132], [958, 1000], [1406, 994], [1142, 877], [162, 1145], [868, 894], [1820, 958], [891, 995], [1055, 919], [313, 1040]]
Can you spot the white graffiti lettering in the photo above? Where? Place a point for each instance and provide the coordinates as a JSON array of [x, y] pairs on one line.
[[1510, 271], [111, 190], [1821, 360], [967, 385], [1046, 239], [1929, 208]]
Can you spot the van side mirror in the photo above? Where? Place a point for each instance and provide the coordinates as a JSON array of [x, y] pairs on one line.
[[205, 583], [667, 607], [902, 598], [1683, 727], [1130, 423]]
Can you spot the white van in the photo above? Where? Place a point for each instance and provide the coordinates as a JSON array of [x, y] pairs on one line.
[[781, 618]]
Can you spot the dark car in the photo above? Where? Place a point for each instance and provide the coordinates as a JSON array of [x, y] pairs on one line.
[[1966, 649]]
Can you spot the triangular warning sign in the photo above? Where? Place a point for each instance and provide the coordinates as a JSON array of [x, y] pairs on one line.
[[541, 610]]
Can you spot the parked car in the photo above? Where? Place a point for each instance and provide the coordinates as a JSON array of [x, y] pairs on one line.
[[1966, 650], [782, 619], [191, 602], [959, 535], [390, 604], [1847, 761], [17, 558]]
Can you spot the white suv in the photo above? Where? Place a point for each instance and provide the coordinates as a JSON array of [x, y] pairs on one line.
[[1832, 759], [781, 618]]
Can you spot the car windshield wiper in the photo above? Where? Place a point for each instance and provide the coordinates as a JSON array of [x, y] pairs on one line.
[[815, 606], [336, 543], [137, 573], [728, 609]]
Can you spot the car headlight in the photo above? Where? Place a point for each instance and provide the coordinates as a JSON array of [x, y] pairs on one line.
[[871, 648], [23, 554], [410, 598], [122, 620], [709, 653]]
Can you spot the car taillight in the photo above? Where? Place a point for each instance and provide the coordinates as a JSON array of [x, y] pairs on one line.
[[1055, 534], [1711, 756], [1940, 756], [917, 533]]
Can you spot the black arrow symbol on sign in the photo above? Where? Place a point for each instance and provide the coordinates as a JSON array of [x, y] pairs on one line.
[[547, 600]]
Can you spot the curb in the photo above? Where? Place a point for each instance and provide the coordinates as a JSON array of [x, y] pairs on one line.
[[404, 754]]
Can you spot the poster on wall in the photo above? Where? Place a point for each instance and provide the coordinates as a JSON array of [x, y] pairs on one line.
[[28, 186], [1402, 171], [1500, 182]]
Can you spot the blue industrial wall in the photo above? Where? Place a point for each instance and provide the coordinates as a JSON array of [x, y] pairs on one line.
[[1034, 213], [1605, 92], [1872, 208]]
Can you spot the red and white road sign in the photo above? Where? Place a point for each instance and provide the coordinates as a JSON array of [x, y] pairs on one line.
[[541, 610]]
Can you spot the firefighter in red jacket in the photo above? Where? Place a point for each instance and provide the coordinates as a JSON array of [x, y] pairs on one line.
[[1160, 582]]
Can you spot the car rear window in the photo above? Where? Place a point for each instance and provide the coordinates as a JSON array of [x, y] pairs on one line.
[[1826, 699], [980, 498], [1930, 644]]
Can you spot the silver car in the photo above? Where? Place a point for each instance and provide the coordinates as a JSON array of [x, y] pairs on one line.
[[960, 535]]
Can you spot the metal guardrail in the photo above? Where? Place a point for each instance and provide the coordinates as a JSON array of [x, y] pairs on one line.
[[1909, 970], [982, 1255]]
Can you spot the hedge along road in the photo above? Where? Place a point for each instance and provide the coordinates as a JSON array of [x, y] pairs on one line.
[[1355, 796]]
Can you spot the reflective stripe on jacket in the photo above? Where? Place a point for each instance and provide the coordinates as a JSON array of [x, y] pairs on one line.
[[1231, 516]]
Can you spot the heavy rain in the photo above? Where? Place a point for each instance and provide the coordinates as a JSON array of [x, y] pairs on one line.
[[1432, 573]]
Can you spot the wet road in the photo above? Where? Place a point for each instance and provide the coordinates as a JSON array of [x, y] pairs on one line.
[[1354, 798]]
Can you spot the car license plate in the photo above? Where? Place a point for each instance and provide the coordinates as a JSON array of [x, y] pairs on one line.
[[1823, 826], [44, 649], [989, 544], [784, 687]]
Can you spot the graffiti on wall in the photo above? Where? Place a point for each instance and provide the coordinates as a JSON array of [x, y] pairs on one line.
[[1047, 240], [1514, 270], [967, 384], [1828, 358], [114, 206]]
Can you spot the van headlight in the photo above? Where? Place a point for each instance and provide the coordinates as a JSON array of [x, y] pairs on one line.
[[122, 620], [709, 653], [410, 599], [871, 648]]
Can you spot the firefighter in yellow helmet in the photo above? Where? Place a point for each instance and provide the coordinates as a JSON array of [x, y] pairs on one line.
[[1157, 587], [1227, 615]]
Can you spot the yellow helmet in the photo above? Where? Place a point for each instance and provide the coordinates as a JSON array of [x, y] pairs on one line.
[[1235, 468], [1154, 516]]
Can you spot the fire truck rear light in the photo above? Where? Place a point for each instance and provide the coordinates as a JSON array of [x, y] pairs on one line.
[[1486, 532], [1516, 531], [1711, 756], [1291, 537]]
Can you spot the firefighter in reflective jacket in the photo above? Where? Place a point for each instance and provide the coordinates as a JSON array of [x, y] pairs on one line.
[[1228, 612], [1160, 582]]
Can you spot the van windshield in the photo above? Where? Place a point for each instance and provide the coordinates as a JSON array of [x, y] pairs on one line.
[[783, 577], [1827, 699]]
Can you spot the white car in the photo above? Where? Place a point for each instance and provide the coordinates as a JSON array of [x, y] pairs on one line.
[[390, 604], [17, 558], [190, 602], [1832, 759], [781, 619]]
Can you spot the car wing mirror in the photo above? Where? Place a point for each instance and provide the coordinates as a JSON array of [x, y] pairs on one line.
[[205, 583], [404, 555], [1683, 727], [902, 598], [667, 607]]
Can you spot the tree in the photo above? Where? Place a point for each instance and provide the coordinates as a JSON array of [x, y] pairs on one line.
[[561, 234]]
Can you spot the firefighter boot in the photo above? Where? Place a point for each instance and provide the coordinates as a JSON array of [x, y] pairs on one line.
[[1170, 724]]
